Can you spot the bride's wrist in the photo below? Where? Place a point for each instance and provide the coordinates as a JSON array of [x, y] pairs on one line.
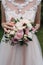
[[37, 26], [35, 29]]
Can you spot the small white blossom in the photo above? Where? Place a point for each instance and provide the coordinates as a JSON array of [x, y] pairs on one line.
[[7, 35], [8, 31], [12, 32], [29, 26], [30, 35]]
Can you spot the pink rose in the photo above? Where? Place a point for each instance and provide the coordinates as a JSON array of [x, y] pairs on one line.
[[19, 34]]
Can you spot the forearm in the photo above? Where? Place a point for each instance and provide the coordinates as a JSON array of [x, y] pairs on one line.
[[3, 19], [38, 18]]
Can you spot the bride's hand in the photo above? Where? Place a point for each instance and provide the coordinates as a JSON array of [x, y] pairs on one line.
[[36, 28], [7, 26]]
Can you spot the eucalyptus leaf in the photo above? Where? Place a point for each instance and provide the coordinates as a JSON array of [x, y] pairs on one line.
[[29, 38]]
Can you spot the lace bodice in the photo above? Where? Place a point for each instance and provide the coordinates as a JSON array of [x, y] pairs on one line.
[[29, 14]]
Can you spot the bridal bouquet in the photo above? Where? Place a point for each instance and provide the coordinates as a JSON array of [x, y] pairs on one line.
[[21, 32]]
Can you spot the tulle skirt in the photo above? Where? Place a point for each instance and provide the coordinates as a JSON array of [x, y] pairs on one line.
[[21, 55]]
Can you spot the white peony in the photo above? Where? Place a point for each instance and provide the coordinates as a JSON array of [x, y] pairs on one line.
[[27, 22], [19, 25]]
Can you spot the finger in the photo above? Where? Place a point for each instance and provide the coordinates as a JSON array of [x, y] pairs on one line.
[[5, 30], [8, 27], [11, 24]]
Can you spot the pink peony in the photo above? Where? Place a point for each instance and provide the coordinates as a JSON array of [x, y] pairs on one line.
[[19, 34]]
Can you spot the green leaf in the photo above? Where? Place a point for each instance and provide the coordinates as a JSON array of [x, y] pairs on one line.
[[21, 42], [17, 20], [21, 17], [29, 38], [6, 37]]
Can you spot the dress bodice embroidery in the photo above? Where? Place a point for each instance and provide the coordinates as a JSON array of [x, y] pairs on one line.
[[29, 14]]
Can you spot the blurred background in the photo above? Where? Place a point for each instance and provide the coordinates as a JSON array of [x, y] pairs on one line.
[[40, 32]]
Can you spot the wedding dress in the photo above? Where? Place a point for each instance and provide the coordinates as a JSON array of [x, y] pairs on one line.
[[17, 55]]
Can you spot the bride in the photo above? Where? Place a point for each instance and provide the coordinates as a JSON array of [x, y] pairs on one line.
[[17, 55]]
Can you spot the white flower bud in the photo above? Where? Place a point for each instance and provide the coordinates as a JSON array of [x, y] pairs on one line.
[[12, 32]]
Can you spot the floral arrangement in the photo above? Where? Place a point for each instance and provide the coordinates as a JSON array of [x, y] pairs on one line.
[[21, 33]]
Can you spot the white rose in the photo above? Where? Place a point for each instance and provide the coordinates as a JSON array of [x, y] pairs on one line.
[[19, 28], [29, 26], [19, 25], [26, 21]]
